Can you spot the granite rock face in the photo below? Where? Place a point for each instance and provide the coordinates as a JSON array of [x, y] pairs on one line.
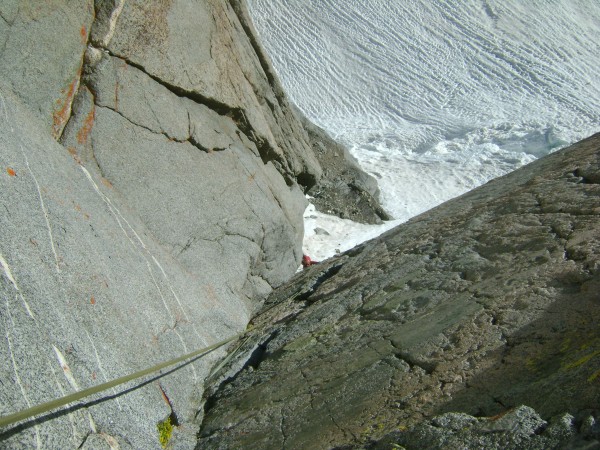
[[152, 179], [88, 295], [486, 303]]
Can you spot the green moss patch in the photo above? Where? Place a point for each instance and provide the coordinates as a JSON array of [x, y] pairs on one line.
[[165, 431]]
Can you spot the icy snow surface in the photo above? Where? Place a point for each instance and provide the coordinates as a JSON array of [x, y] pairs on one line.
[[435, 97], [325, 235]]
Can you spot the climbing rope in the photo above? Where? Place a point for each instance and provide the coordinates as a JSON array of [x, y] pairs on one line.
[[43, 408], [75, 396]]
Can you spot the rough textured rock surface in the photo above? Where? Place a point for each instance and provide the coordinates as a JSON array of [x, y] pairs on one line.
[[41, 48], [344, 189], [151, 193], [485, 303], [516, 429]]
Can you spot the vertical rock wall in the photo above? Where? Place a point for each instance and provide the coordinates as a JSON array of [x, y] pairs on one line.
[[151, 189]]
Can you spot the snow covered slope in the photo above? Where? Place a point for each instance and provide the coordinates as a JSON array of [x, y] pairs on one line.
[[437, 97]]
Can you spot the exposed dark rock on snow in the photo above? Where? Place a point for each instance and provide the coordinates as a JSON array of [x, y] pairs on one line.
[[344, 190], [485, 303]]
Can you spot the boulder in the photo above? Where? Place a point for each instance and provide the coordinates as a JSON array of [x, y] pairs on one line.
[[515, 429], [486, 303]]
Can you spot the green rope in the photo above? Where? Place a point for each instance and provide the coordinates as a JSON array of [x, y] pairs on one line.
[[53, 404], [226, 360], [75, 396]]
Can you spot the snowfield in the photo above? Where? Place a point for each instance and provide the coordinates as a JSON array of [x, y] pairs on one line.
[[435, 97]]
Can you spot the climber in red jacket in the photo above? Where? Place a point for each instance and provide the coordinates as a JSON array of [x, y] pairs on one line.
[[306, 261]]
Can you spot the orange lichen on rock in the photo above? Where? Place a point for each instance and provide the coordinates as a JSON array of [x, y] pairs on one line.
[[61, 114], [88, 123], [83, 33], [11, 172], [73, 152]]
